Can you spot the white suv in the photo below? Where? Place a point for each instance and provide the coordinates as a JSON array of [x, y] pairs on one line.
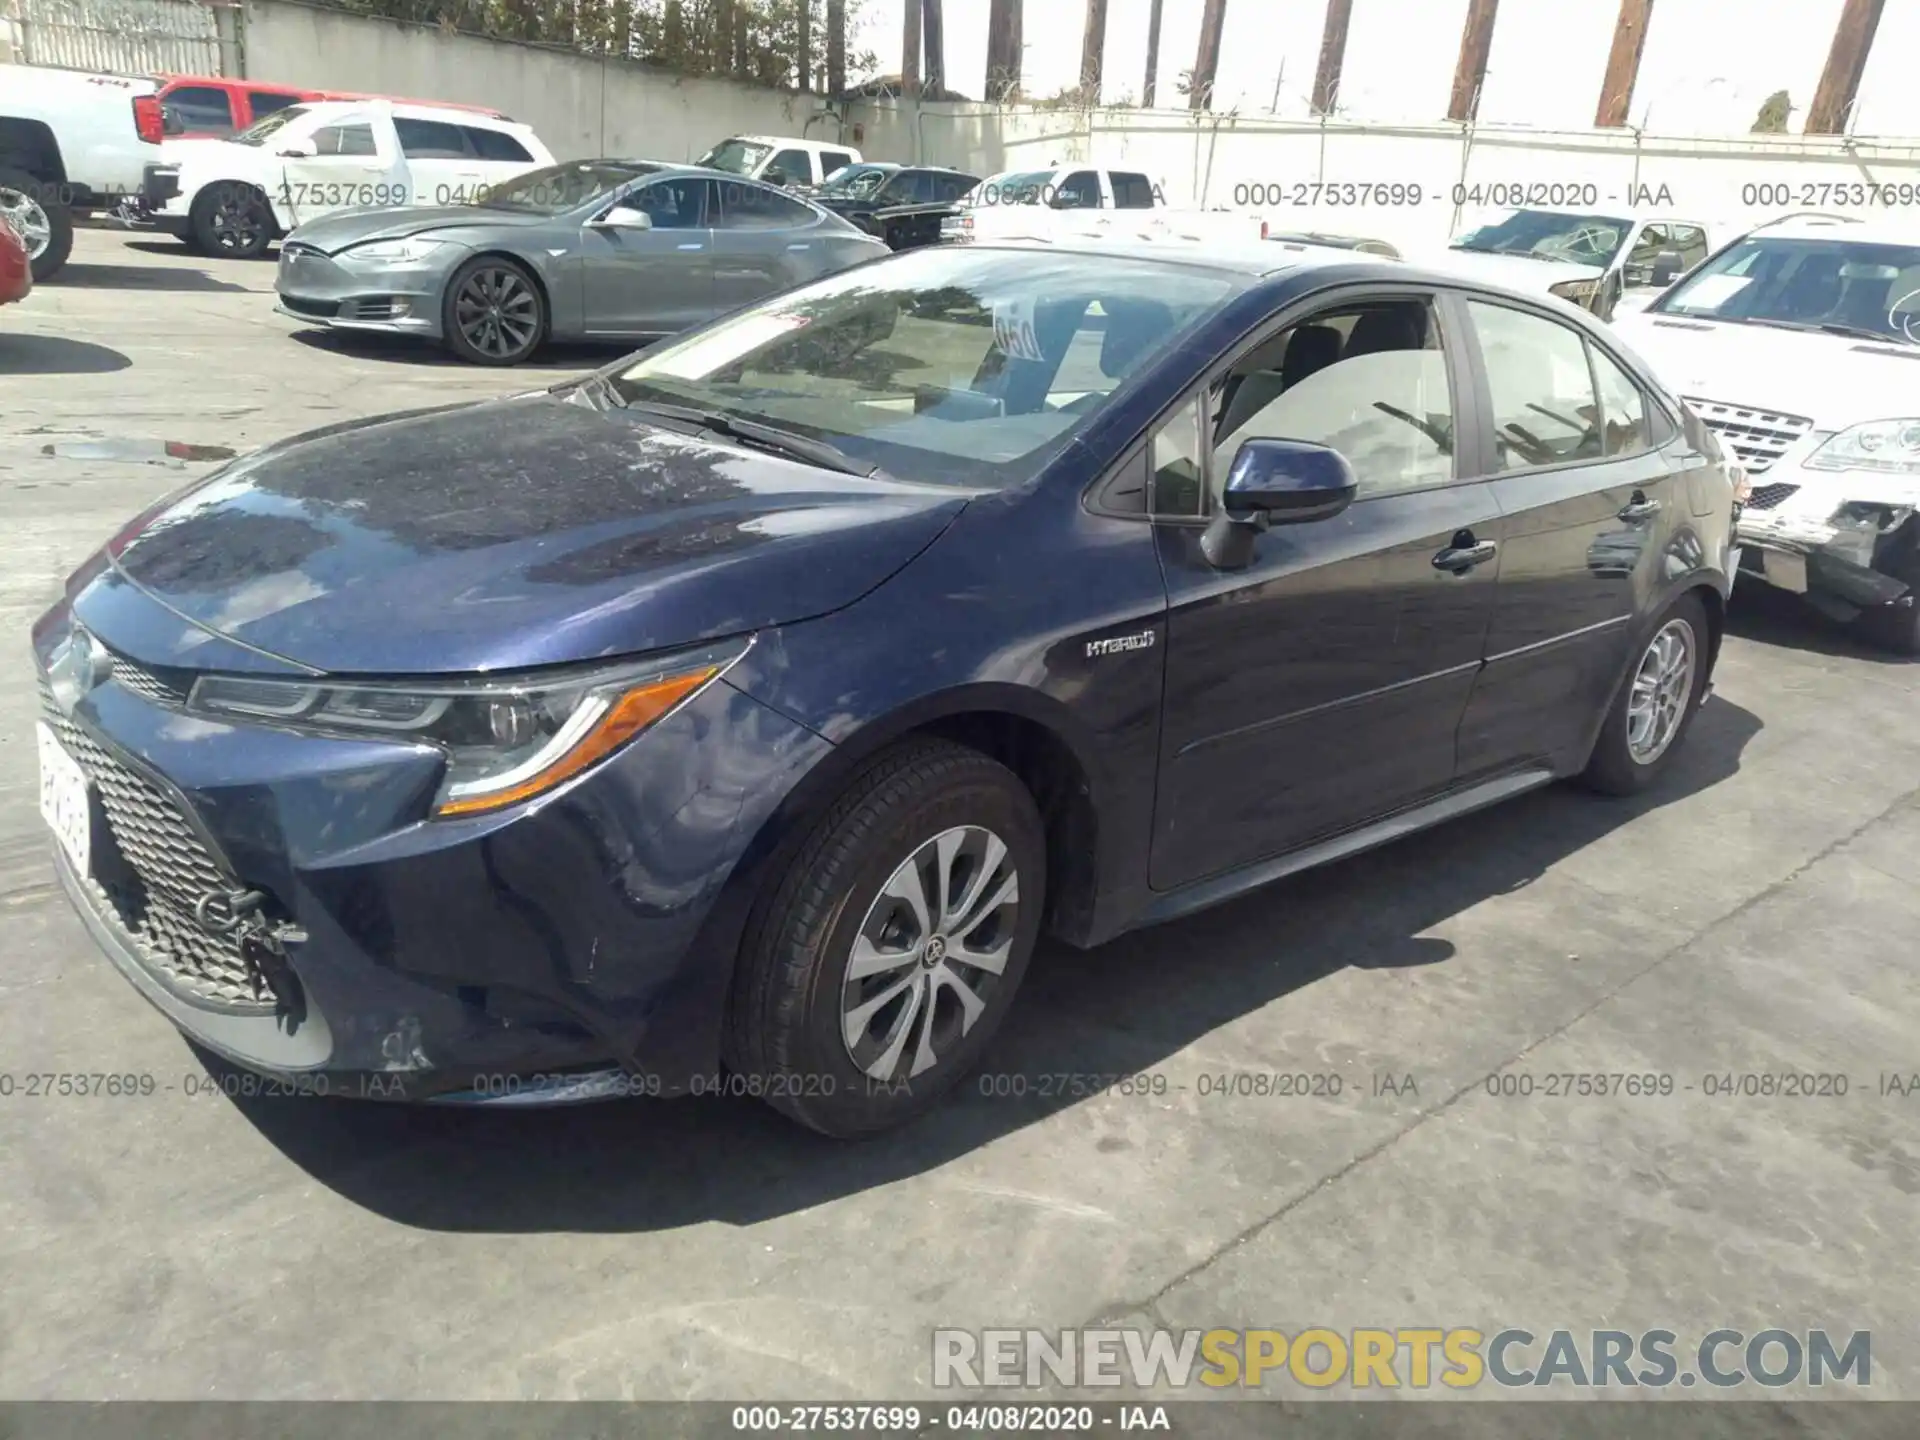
[[1799, 344], [233, 197]]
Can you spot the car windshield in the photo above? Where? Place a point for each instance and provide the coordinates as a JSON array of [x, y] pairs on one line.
[[1847, 286], [851, 182], [1015, 187], [942, 364], [559, 188], [1550, 235], [735, 156], [257, 132]]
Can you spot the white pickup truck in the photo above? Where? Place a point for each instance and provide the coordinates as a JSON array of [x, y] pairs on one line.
[[70, 142], [1073, 200], [233, 197]]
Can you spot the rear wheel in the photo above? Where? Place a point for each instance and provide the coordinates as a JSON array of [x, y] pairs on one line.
[[232, 220], [495, 313], [44, 224], [1656, 705], [893, 943]]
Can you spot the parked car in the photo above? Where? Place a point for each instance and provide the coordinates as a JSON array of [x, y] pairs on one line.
[[779, 159], [16, 265], [1799, 345], [1592, 260], [214, 107], [760, 699], [1068, 201], [588, 250], [901, 204], [70, 143], [235, 197], [1365, 244]]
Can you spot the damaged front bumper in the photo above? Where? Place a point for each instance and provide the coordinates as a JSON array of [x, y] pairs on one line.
[[1841, 567]]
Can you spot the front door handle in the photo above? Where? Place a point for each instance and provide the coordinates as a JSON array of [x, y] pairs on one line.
[[1639, 508], [1465, 553]]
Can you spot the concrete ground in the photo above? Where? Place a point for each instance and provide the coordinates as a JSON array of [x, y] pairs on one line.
[[1755, 915]]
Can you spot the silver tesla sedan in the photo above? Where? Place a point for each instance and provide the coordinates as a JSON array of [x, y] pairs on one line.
[[589, 250]]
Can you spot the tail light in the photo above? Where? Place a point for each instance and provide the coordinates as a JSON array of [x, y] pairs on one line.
[[1263, 229], [148, 123]]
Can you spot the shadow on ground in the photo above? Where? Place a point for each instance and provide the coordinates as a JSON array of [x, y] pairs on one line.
[[1122, 1008], [406, 350], [1774, 617], [79, 276], [53, 355]]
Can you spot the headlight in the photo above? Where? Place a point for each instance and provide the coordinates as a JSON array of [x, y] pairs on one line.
[[1575, 290], [398, 252], [1867, 515], [506, 740], [1888, 446]]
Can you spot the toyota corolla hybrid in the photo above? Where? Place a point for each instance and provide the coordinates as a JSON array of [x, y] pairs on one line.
[[753, 705]]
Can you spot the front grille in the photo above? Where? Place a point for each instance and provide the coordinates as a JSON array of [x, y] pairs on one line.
[[150, 866], [325, 309], [1765, 497], [1758, 437], [149, 685]]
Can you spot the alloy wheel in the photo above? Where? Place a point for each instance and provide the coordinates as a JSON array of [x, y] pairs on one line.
[[930, 953], [29, 219], [1662, 687], [236, 222], [497, 312]]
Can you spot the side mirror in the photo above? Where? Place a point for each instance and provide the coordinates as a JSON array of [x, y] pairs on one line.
[[625, 217], [170, 121], [1275, 482], [1667, 267], [297, 150]]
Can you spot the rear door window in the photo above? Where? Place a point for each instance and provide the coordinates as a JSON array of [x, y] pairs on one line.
[[202, 107], [496, 145], [1079, 191], [756, 207], [1132, 191], [1545, 411], [430, 140], [352, 137]]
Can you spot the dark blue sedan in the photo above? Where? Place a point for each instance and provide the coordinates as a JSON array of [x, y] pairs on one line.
[[739, 716]]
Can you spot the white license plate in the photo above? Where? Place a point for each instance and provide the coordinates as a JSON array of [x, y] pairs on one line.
[[64, 801], [1786, 569]]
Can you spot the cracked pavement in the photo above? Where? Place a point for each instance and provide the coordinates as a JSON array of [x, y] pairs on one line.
[[1756, 915]]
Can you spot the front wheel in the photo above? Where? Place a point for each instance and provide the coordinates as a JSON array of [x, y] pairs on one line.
[[1656, 705], [44, 224], [494, 312], [232, 220], [893, 943]]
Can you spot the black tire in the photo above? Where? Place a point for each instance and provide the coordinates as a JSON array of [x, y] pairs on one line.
[[519, 317], [1894, 627], [232, 221], [1614, 768], [59, 243], [786, 1034]]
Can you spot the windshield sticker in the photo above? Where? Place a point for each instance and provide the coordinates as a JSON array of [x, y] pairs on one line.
[[1710, 292], [1013, 330], [697, 359]]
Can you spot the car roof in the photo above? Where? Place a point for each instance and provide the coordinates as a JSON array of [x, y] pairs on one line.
[[1241, 257]]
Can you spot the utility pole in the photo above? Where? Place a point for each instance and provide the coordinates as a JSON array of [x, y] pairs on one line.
[[1153, 54], [1004, 49], [803, 44], [1333, 56], [1093, 46], [910, 52], [1206, 60], [1846, 63], [836, 48], [1470, 73], [934, 33], [1623, 63]]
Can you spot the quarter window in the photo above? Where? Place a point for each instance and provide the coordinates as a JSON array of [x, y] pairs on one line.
[[1623, 408], [1131, 191], [756, 207], [1544, 409], [1177, 485]]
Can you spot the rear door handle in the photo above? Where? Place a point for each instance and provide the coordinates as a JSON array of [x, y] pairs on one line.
[[1465, 553], [1639, 508]]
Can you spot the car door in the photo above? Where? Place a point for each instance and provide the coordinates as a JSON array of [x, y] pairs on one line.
[[1322, 686], [355, 160], [763, 241], [1588, 504], [651, 281]]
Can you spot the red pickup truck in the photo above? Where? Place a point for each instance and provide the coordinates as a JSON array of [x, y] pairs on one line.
[[220, 106]]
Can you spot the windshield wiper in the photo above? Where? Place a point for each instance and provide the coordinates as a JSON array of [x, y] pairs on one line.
[[1826, 327], [765, 437]]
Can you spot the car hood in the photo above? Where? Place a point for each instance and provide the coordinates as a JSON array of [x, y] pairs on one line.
[[528, 531], [334, 233], [1517, 272], [1833, 380]]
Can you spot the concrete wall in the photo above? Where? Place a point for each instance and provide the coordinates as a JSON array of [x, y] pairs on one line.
[[579, 106]]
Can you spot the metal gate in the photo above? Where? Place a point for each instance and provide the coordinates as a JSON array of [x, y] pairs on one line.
[[128, 36]]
